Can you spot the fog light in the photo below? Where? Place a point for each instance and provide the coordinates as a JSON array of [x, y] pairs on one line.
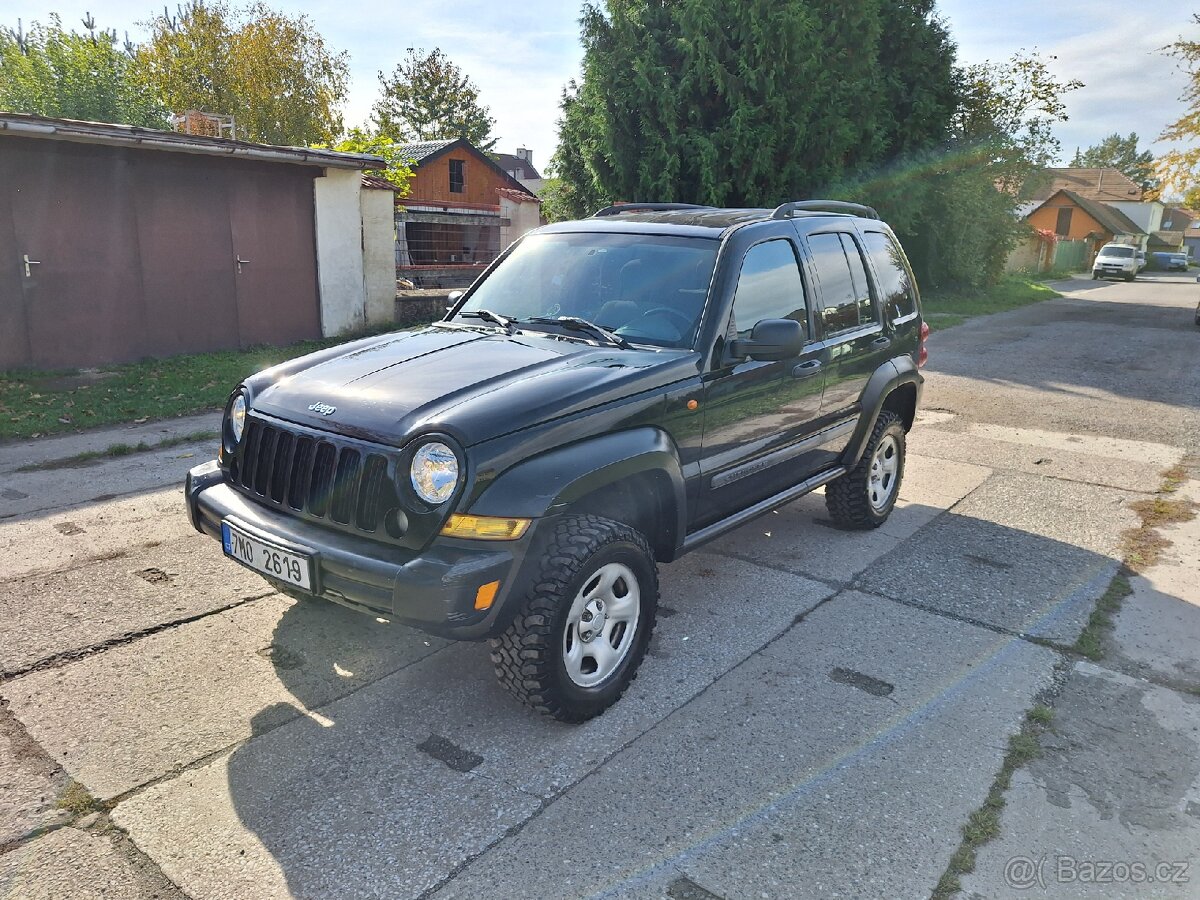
[[485, 528]]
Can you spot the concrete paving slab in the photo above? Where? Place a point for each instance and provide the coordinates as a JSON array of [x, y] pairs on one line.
[[1028, 555], [721, 611], [1057, 458], [805, 766], [28, 493], [1145, 452], [15, 454], [997, 576], [1117, 786], [46, 615], [800, 537], [1082, 515], [134, 713], [65, 539], [30, 785], [82, 866], [348, 808], [1157, 631]]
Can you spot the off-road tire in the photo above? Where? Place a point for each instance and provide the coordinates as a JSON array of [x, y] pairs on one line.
[[848, 498], [528, 655]]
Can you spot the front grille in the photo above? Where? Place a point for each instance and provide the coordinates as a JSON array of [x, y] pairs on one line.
[[320, 476]]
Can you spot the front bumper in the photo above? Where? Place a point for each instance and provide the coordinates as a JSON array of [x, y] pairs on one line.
[[433, 590]]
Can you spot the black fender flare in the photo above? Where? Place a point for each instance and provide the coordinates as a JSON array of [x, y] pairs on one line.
[[548, 484], [889, 376]]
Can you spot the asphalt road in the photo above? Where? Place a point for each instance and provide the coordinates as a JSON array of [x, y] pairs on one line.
[[819, 715]]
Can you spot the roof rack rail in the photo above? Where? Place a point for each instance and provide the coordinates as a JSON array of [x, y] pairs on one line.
[[619, 208], [839, 206]]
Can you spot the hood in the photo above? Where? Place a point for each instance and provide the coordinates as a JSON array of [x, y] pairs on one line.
[[470, 384]]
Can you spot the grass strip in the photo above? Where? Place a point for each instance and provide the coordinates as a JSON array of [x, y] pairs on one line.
[[34, 404], [983, 825], [945, 309], [116, 450]]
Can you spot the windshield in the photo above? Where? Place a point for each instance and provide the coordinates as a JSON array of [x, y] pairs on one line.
[[1123, 252], [649, 289]]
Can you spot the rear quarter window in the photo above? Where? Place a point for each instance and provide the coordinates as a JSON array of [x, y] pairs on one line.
[[896, 293]]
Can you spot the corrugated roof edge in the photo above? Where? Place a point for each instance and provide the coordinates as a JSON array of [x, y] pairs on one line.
[[45, 128]]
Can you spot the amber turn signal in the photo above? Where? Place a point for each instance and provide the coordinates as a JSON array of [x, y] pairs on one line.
[[486, 595], [485, 528]]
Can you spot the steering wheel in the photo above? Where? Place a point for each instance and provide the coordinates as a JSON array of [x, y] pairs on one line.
[[684, 321]]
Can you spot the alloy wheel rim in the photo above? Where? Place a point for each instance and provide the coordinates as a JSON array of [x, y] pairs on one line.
[[601, 624], [885, 466]]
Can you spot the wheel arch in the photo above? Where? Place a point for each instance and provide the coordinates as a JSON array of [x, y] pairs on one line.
[[631, 476], [894, 386]]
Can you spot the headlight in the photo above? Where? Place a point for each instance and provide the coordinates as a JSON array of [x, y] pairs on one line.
[[434, 473], [236, 422]]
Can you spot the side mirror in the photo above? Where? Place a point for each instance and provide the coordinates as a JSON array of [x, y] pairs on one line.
[[771, 340], [452, 298]]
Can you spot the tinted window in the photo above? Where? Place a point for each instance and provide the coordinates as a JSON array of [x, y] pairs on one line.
[[895, 287], [837, 286], [769, 287], [862, 289]]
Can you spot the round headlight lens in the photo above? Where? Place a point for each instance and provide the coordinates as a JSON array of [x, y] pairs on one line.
[[434, 472], [237, 418]]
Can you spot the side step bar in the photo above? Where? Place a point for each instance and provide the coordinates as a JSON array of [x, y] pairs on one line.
[[716, 529]]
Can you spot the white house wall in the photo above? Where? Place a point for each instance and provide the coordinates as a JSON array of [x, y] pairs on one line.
[[1146, 216], [379, 254], [340, 250], [523, 217]]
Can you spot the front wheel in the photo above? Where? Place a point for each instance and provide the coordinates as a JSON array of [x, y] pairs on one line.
[[582, 630], [865, 496]]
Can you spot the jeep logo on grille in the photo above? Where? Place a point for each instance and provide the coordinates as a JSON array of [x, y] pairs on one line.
[[323, 409]]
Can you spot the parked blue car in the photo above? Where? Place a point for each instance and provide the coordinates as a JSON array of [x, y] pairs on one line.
[[1170, 261]]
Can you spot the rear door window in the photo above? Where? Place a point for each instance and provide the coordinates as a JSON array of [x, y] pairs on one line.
[[839, 296]]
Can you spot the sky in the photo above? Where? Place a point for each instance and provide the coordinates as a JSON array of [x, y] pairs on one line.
[[522, 54]]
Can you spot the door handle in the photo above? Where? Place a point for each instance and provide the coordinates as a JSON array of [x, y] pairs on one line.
[[240, 262], [806, 368], [884, 341], [30, 262]]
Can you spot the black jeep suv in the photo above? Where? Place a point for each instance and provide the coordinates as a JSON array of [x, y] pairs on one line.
[[609, 394]]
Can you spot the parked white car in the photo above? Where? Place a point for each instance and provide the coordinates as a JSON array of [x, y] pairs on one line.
[[1116, 261]]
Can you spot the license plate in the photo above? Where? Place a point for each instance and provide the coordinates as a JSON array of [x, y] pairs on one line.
[[269, 559]]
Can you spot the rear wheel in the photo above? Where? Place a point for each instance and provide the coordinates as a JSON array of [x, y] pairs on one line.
[[583, 628], [865, 496]]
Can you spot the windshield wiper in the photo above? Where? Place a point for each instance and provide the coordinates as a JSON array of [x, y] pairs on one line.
[[488, 316], [573, 323]]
